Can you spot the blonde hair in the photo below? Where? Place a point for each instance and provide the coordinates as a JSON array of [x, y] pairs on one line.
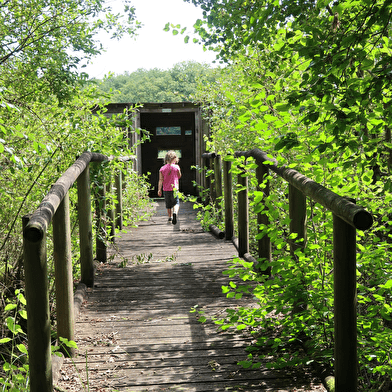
[[170, 155]]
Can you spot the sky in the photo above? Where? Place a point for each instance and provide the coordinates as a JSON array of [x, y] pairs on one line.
[[153, 47]]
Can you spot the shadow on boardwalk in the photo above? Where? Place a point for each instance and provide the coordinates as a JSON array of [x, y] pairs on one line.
[[136, 332]]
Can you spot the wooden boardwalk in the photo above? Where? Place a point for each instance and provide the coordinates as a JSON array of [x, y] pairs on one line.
[[136, 332]]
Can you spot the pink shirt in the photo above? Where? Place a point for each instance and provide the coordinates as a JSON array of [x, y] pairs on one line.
[[171, 175]]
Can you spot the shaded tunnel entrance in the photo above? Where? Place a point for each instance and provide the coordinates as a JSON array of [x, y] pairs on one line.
[[175, 126], [169, 131]]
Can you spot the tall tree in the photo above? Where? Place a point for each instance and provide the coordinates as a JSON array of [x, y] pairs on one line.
[[346, 48], [309, 82], [45, 114], [44, 43]]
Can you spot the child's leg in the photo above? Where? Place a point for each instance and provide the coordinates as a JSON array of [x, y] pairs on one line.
[[175, 212], [167, 197]]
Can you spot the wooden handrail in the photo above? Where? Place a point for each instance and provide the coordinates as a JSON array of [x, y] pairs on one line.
[[55, 208], [40, 219], [347, 217], [351, 213]]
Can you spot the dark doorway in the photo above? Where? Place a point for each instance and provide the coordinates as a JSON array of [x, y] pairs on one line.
[[169, 131]]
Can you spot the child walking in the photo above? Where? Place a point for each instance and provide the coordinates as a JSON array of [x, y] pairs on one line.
[[169, 174]]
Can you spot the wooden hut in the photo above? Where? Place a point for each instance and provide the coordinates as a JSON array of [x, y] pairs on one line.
[[175, 126]]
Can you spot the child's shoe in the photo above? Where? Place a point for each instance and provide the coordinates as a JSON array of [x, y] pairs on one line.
[[174, 219]]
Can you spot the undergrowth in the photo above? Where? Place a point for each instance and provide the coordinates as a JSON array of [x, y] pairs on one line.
[[293, 324]]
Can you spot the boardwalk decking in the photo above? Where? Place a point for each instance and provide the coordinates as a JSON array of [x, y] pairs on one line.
[[136, 331]]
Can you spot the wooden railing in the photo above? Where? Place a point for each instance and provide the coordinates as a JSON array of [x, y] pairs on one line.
[[55, 209], [347, 218]]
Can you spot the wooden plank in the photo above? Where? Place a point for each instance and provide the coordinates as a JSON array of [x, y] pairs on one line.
[[137, 332]]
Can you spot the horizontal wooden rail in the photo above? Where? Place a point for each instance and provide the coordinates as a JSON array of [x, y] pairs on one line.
[[351, 213], [54, 208], [347, 217], [209, 155], [40, 219]]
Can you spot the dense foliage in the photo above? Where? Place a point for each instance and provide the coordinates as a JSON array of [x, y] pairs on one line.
[[177, 84], [306, 81], [309, 83], [45, 122]]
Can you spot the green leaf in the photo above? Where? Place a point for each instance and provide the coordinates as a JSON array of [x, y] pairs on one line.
[[263, 108], [4, 340], [282, 107], [387, 285], [22, 348], [23, 314], [245, 364], [21, 297], [68, 343], [13, 327], [313, 116], [270, 118]]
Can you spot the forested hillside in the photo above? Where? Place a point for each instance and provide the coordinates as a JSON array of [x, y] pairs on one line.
[[177, 84], [309, 83]]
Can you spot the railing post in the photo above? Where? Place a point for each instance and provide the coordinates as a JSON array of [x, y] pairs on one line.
[[63, 273], [297, 214], [85, 228], [212, 180], [218, 181], [345, 302], [264, 243], [243, 215], [119, 204], [110, 208], [208, 184], [100, 211], [38, 316], [228, 200]]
